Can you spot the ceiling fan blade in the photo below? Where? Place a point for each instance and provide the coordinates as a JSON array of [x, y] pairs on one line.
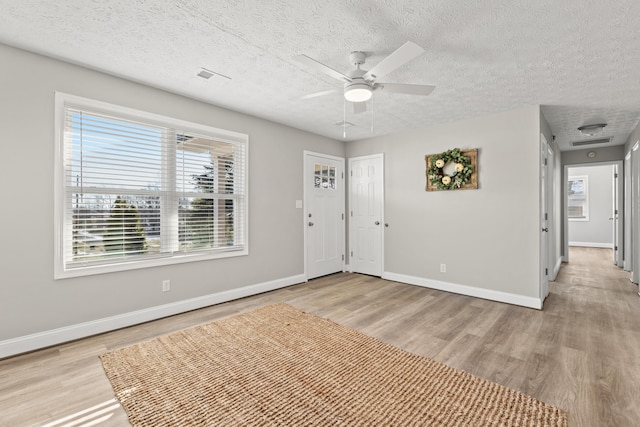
[[319, 66], [359, 107], [398, 58], [316, 94], [423, 90]]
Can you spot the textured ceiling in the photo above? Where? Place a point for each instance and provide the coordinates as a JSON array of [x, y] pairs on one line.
[[580, 59]]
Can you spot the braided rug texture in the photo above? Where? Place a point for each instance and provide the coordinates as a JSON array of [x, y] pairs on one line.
[[278, 366]]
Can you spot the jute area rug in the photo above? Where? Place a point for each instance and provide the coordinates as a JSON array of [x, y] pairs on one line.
[[278, 366]]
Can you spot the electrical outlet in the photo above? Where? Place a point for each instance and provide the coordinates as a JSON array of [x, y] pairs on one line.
[[443, 268], [166, 285]]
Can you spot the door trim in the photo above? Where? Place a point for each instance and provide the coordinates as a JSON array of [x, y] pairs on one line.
[[305, 196], [565, 196], [627, 253], [544, 221]]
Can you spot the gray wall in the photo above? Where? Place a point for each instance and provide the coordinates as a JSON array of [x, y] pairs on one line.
[[633, 138], [487, 237], [597, 231], [606, 154], [30, 300]]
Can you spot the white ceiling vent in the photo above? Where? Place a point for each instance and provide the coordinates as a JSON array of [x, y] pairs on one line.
[[591, 142], [207, 74]]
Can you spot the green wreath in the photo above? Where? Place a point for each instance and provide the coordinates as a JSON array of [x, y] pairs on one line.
[[461, 176]]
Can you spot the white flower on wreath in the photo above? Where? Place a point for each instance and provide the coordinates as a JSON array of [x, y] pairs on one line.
[[446, 180], [459, 167], [439, 163]]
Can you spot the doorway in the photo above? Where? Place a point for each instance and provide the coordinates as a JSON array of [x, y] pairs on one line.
[[593, 208], [324, 220]]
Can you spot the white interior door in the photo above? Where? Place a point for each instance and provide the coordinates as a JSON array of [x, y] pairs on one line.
[[324, 214], [628, 253], [366, 214], [552, 235], [617, 214], [544, 222], [635, 215]]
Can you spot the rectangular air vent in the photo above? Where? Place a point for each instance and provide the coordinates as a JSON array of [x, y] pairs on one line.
[[591, 142], [207, 74]]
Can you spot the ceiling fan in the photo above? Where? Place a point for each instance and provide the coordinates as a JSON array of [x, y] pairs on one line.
[[359, 85]]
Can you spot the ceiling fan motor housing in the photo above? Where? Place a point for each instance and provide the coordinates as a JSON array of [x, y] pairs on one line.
[[357, 58]]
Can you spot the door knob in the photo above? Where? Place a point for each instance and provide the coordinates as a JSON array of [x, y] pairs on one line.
[[310, 224], [377, 223], [546, 229], [386, 224]]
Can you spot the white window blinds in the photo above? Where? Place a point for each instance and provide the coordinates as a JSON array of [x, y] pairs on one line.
[[139, 187]]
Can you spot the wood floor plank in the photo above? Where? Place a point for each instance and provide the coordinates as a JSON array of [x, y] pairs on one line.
[[581, 353]]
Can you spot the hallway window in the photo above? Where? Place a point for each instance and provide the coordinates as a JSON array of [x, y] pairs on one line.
[[578, 198]]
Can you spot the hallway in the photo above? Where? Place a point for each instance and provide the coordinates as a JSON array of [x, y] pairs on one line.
[[600, 337]]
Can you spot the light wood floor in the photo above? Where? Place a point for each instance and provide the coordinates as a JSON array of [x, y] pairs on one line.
[[581, 353]]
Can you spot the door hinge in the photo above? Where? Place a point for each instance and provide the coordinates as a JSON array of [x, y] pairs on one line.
[[351, 173], [343, 257], [615, 175], [351, 254], [343, 217], [546, 271], [616, 211], [615, 248], [545, 162], [342, 175], [351, 213], [546, 216]]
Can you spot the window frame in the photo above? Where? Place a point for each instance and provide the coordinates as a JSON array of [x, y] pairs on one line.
[[585, 203], [61, 220]]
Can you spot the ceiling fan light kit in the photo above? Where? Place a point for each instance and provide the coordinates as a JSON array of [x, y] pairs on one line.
[[593, 129], [357, 92]]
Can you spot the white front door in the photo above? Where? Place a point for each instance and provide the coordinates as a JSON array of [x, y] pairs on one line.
[[324, 214], [366, 217]]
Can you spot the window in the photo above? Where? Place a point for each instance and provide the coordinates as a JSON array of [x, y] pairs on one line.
[[135, 189], [324, 176], [578, 198]]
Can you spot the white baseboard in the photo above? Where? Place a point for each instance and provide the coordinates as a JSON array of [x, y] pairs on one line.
[[14, 346], [489, 294], [592, 245]]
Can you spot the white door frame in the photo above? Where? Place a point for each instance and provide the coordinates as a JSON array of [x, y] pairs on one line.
[[618, 214], [552, 202], [544, 218], [565, 195], [627, 253], [383, 224], [635, 214], [305, 196]]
